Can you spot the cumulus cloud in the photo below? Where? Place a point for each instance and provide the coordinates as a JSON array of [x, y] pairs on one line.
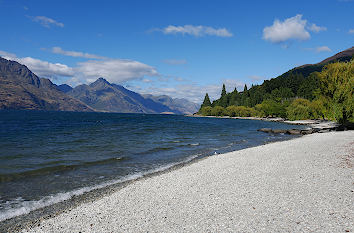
[[291, 28], [175, 61], [41, 68], [197, 31], [115, 70], [351, 31], [59, 50], [314, 28], [46, 22]]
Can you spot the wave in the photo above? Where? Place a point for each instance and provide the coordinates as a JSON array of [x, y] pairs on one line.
[[28, 206], [58, 168]]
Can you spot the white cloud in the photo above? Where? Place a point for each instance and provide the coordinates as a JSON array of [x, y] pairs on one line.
[[290, 29], [196, 31], [7, 55], [320, 49], [191, 91], [256, 78], [59, 50], [175, 61], [115, 70], [46, 22], [314, 28], [351, 31], [41, 68], [323, 49]]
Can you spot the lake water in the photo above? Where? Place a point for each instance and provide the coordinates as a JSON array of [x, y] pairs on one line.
[[47, 157]]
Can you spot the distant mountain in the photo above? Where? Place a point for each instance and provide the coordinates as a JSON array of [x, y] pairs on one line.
[[180, 105], [22, 89], [64, 88], [104, 96]]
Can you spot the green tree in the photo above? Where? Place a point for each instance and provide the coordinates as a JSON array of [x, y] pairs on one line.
[[224, 97], [206, 101], [299, 109], [336, 87], [205, 111], [245, 88], [223, 91], [218, 111]]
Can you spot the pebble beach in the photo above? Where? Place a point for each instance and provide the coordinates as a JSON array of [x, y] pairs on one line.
[[301, 185]]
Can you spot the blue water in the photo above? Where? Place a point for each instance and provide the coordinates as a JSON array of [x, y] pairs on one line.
[[46, 157]]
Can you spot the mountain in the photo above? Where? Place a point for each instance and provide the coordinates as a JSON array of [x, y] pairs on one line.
[[345, 55], [64, 88], [22, 89], [180, 105], [104, 96]]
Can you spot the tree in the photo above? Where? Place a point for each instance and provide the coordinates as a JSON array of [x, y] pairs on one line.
[[205, 111], [224, 98], [299, 109], [336, 87], [245, 88], [206, 102], [223, 92], [218, 111]]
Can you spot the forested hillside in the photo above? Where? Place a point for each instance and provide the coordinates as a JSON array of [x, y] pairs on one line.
[[301, 93]]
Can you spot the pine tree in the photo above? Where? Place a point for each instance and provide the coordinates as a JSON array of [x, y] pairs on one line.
[[206, 102], [223, 99], [223, 92], [245, 88]]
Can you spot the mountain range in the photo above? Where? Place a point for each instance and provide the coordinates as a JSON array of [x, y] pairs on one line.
[[22, 89]]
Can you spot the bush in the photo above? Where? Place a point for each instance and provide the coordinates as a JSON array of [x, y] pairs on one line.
[[241, 111], [218, 111], [299, 109], [271, 108], [205, 111]]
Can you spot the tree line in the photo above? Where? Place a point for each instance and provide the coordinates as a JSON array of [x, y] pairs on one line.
[[310, 92]]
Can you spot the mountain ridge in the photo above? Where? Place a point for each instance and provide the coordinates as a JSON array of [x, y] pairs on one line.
[[20, 88]]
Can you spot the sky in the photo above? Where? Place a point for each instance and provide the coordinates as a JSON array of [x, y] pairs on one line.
[[178, 48]]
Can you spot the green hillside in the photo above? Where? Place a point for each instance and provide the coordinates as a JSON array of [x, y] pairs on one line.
[[296, 94]]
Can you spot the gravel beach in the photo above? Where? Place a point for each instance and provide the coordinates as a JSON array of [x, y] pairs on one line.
[[300, 185]]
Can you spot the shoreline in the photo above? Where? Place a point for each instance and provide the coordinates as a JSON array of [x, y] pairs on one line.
[[314, 124], [34, 217], [176, 174]]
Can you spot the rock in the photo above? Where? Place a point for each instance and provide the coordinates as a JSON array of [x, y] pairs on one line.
[[279, 131], [307, 131], [266, 130], [293, 131]]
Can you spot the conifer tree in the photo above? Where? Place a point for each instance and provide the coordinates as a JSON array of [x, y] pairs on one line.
[[206, 102], [223, 92]]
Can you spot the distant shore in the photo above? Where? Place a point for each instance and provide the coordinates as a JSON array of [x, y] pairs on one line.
[[304, 184], [318, 124]]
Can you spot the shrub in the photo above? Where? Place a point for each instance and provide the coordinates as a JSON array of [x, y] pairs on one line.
[[218, 111]]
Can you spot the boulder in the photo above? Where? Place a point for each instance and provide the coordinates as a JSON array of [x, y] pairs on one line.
[[293, 131], [307, 131], [266, 130], [279, 131]]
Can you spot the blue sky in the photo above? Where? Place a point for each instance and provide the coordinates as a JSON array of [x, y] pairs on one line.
[[178, 48]]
